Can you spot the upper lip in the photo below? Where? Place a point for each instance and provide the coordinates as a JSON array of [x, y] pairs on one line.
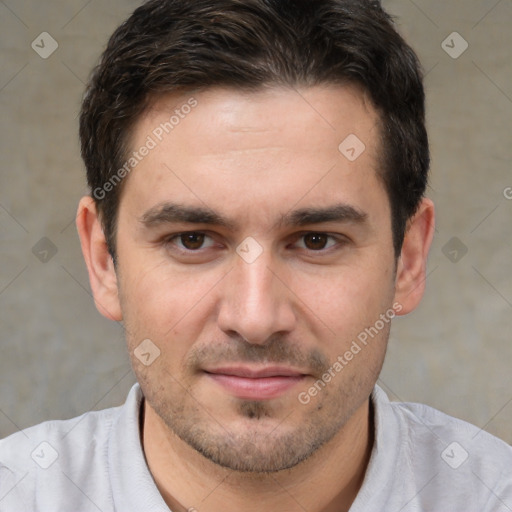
[[256, 373]]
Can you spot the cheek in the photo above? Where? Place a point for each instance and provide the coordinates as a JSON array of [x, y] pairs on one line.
[[345, 299], [158, 300]]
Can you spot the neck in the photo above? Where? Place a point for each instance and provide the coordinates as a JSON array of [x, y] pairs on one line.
[[326, 482]]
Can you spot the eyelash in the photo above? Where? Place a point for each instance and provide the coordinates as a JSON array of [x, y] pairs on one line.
[[339, 239]]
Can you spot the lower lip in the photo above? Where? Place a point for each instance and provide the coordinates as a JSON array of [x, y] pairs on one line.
[[263, 388]]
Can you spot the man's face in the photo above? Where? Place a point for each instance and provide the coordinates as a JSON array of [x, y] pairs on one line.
[[287, 257]]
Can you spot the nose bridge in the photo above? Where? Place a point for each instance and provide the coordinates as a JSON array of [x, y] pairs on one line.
[[255, 304], [256, 286]]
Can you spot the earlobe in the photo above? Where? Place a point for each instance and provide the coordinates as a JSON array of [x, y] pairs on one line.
[[102, 274], [412, 264]]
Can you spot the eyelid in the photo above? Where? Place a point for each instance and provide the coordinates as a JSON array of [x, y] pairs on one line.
[[340, 240], [168, 240]]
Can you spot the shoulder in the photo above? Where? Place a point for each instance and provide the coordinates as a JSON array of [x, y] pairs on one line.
[[45, 443], [427, 423], [56, 460], [446, 456]]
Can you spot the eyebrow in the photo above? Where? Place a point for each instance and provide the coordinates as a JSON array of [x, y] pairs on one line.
[[168, 213], [336, 213]]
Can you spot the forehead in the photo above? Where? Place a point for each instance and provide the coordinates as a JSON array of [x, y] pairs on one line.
[[320, 113], [232, 149]]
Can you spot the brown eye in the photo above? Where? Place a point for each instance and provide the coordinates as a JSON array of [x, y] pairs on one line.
[[316, 241], [192, 241]]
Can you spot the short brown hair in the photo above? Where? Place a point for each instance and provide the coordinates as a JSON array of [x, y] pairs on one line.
[[174, 45]]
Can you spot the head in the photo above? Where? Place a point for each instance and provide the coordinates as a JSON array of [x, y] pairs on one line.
[[257, 171]]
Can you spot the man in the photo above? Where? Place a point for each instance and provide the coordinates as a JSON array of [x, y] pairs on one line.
[[256, 220]]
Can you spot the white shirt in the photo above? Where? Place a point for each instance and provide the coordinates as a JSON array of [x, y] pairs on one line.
[[422, 460]]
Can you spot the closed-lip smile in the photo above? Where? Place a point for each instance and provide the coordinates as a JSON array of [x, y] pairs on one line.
[[255, 383]]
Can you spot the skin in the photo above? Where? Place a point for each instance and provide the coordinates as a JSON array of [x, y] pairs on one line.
[[253, 158]]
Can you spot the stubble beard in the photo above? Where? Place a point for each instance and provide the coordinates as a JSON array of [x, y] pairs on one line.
[[256, 448], [261, 442]]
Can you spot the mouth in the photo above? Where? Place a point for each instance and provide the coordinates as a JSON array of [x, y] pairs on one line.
[[255, 383]]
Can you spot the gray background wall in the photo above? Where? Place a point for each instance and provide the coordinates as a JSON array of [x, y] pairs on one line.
[[59, 357]]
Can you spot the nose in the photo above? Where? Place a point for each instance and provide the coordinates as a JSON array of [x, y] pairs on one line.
[[256, 303]]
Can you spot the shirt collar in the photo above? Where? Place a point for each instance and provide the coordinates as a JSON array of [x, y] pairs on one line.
[[133, 487]]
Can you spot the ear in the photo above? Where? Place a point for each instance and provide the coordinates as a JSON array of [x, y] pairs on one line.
[[412, 263], [102, 274]]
